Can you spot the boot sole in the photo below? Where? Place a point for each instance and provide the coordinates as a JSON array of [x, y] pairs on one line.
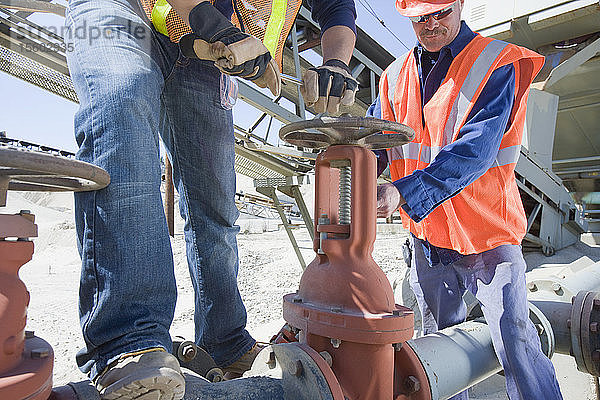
[[150, 384]]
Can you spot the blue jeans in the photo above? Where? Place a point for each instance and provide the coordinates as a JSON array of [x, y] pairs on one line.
[[497, 279], [134, 86]]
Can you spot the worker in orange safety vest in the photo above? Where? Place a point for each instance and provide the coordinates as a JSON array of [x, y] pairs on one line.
[[454, 184]]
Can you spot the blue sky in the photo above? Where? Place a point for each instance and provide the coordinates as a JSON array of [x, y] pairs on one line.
[[30, 113]]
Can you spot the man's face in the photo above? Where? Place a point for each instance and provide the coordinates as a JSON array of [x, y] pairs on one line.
[[435, 34]]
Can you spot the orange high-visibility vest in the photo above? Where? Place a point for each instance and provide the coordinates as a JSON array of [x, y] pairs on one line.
[[489, 212], [268, 20]]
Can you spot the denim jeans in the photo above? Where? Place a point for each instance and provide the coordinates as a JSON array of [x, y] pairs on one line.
[[497, 279], [134, 86]]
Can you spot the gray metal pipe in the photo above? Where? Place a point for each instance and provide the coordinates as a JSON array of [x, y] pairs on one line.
[[557, 313], [456, 358], [196, 388]]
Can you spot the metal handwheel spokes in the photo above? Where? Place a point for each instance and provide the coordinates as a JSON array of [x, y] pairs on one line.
[[323, 132], [27, 170]]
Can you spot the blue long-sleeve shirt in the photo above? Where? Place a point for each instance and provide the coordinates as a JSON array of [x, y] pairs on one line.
[[326, 13], [463, 161]]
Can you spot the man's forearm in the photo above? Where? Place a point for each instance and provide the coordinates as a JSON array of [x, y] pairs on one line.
[[338, 43]]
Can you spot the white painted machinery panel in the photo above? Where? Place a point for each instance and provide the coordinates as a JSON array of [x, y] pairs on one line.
[[554, 19], [481, 14], [540, 125], [550, 7]]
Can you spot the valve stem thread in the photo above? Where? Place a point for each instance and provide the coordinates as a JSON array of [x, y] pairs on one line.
[[345, 195]]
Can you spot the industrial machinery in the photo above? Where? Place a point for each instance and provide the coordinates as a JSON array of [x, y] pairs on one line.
[[339, 334], [349, 340], [26, 360]]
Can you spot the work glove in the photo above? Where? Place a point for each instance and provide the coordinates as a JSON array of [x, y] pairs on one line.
[[234, 52], [328, 86]]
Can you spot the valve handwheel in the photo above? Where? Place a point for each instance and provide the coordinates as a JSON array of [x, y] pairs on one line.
[[322, 132], [23, 169]]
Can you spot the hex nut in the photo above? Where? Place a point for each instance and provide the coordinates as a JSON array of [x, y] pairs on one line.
[[594, 327], [397, 346], [336, 343], [532, 287], [214, 375], [596, 355], [187, 351], [29, 334]]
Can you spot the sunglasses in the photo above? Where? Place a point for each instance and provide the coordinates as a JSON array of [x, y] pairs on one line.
[[436, 15]]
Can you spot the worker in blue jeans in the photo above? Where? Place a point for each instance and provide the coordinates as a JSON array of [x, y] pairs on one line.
[[465, 96], [137, 86]]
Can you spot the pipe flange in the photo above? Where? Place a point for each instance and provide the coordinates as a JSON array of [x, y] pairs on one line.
[[304, 373], [544, 330], [322, 132], [585, 332]]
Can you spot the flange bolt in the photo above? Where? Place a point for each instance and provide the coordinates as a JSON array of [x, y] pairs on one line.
[[327, 357], [412, 384], [540, 329], [271, 362], [297, 369], [187, 351], [557, 288], [336, 343], [215, 375], [532, 287]]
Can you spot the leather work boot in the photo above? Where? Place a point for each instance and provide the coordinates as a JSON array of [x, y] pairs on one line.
[[151, 374], [243, 364]]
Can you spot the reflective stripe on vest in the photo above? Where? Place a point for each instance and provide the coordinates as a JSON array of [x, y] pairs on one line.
[[393, 71], [410, 151], [273, 31], [159, 16], [469, 88], [275, 25]]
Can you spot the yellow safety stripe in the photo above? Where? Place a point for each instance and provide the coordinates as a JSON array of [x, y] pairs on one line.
[[159, 16], [275, 25]]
